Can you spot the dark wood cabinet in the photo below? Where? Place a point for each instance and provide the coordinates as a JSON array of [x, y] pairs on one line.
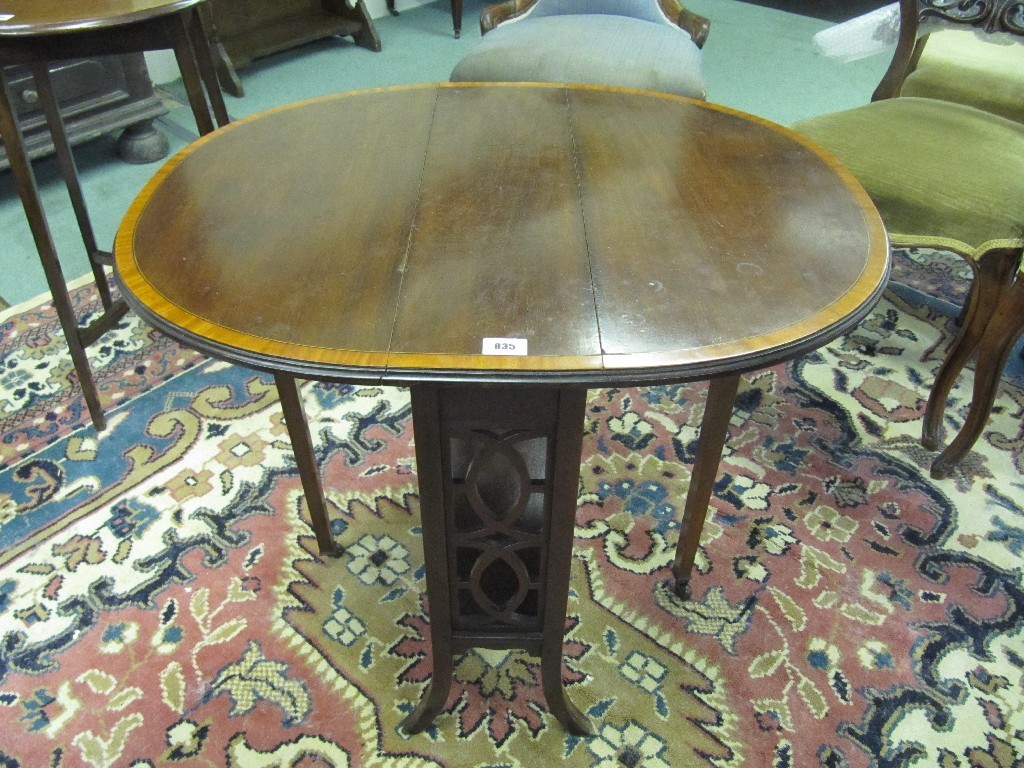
[[243, 30], [828, 10], [96, 96]]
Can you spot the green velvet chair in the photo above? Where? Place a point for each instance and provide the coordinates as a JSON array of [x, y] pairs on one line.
[[649, 44], [940, 150]]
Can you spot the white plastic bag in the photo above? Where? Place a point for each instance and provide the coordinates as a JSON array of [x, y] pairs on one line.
[[861, 36], [866, 35]]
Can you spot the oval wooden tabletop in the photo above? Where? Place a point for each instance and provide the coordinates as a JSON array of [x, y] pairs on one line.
[[409, 234], [37, 17]]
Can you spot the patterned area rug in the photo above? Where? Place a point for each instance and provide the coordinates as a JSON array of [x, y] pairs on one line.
[[161, 602]]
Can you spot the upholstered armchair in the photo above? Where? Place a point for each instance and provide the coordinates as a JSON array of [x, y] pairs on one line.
[[940, 149], [648, 44]]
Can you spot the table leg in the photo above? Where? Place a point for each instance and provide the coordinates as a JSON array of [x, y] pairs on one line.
[[499, 471], [430, 471], [192, 52], [196, 64], [302, 445], [227, 77], [25, 181], [713, 430], [200, 39], [66, 161], [561, 529]]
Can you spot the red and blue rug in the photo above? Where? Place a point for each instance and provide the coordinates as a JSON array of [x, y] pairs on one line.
[[161, 602]]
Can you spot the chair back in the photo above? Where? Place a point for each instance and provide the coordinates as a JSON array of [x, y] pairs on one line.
[[646, 10], [663, 12], [974, 59]]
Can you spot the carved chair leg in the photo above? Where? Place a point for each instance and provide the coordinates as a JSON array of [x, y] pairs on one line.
[[994, 272], [1004, 328], [457, 17]]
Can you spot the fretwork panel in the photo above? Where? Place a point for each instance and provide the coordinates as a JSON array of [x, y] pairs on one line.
[[499, 493]]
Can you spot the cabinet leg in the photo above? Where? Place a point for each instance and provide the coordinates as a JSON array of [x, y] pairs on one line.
[[142, 143], [367, 36]]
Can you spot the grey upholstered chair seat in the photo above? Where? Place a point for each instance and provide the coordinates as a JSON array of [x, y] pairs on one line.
[[599, 49]]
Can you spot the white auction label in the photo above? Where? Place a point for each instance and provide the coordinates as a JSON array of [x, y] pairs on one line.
[[504, 347]]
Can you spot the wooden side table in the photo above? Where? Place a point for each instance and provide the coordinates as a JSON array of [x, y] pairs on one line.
[[243, 30], [34, 32], [567, 238]]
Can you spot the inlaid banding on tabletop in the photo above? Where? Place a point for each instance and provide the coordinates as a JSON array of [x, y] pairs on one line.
[[600, 236], [543, 218]]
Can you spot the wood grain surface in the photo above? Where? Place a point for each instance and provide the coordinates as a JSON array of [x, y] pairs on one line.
[[39, 17], [627, 236]]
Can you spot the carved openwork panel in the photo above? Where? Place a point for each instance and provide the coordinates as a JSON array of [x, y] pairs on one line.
[[499, 470], [499, 492], [990, 15]]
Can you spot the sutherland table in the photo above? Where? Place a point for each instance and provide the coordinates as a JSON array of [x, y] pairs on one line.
[[500, 249], [35, 32]]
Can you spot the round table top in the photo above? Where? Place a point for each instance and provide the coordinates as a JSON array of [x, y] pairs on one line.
[[39, 17], [503, 233]]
